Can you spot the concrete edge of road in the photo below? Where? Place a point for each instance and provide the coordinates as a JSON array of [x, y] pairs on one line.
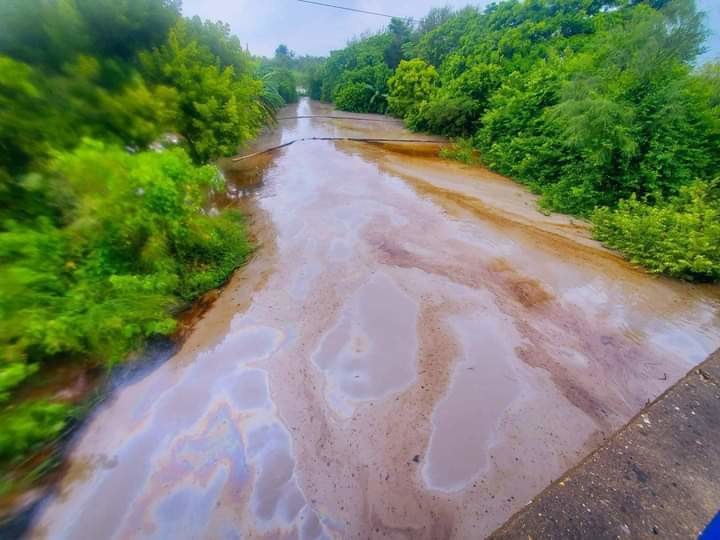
[[658, 476]]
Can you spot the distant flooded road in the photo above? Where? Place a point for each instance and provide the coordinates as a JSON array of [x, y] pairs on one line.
[[414, 352]]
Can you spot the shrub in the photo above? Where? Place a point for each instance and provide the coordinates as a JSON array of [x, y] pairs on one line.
[[134, 244], [28, 425], [679, 236], [413, 81], [446, 115], [354, 97]]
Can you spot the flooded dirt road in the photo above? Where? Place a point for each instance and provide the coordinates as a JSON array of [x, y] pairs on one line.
[[414, 352]]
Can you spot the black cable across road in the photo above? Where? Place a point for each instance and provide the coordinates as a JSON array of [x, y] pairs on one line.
[[354, 139]]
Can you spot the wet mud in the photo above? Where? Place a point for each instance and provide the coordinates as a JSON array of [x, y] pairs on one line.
[[414, 351]]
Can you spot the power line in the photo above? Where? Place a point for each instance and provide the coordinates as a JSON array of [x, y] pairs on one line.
[[352, 9]]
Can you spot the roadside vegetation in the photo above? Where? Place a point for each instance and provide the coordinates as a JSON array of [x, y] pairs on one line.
[[594, 104], [105, 230], [289, 74]]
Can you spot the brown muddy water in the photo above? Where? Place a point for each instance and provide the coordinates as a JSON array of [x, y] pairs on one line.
[[414, 352]]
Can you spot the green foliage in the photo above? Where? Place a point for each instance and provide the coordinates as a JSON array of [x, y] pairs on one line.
[[445, 115], [363, 90], [399, 31], [219, 104], [413, 82], [49, 33], [283, 57], [135, 243], [76, 68], [436, 40], [27, 426], [314, 84], [101, 241], [287, 86], [40, 111], [286, 74], [679, 236], [291, 71], [218, 45], [618, 116], [21, 127], [359, 73], [280, 82], [12, 374], [456, 108], [461, 150], [131, 244], [354, 96]]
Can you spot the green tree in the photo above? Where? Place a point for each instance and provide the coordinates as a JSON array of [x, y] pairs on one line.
[[219, 107], [413, 82], [399, 31], [283, 56], [49, 33]]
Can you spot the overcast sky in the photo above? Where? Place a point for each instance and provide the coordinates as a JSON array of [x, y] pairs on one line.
[[311, 29]]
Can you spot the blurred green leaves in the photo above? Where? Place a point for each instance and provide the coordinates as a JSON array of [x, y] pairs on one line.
[[101, 239]]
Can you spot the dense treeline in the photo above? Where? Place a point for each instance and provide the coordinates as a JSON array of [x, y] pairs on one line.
[[104, 233], [296, 73], [595, 104], [356, 77], [278, 76]]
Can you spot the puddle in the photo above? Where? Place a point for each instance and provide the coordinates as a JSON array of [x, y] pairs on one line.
[[482, 387], [371, 352]]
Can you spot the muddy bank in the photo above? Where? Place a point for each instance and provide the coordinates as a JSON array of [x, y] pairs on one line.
[[414, 352]]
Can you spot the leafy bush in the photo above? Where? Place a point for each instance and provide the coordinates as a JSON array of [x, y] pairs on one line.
[[679, 236], [446, 115], [12, 374], [132, 243], [28, 425], [413, 82], [354, 96], [457, 107], [363, 89], [219, 102], [135, 243], [287, 86], [368, 61]]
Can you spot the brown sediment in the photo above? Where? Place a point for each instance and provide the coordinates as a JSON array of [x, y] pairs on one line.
[[370, 140], [524, 342], [428, 150], [561, 237], [610, 355]]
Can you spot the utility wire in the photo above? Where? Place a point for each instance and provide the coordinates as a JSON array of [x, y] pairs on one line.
[[352, 9]]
